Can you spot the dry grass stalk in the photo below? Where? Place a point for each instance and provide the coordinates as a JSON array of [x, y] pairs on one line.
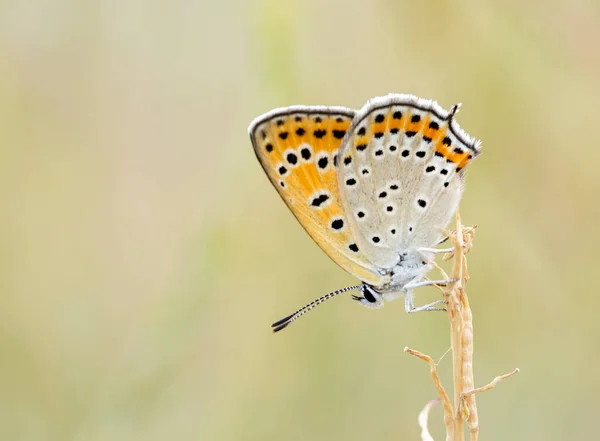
[[461, 338], [443, 396]]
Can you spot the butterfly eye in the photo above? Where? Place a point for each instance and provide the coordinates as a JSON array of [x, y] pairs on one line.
[[370, 297]]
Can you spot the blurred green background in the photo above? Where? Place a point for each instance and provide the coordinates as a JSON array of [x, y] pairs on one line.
[[144, 253]]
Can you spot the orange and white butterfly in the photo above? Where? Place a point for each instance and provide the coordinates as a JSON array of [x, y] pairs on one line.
[[373, 187]]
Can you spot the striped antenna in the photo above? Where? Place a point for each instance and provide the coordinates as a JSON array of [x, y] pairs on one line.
[[279, 325]]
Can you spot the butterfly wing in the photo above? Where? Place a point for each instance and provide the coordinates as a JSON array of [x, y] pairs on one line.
[[401, 174], [298, 149]]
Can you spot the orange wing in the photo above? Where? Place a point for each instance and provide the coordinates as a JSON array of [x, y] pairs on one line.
[[298, 149]]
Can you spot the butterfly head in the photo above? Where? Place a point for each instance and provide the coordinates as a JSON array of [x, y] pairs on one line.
[[370, 297], [412, 265]]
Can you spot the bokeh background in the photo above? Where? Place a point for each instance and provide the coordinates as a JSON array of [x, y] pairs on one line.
[[144, 254]]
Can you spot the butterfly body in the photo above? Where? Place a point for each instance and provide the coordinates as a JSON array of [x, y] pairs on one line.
[[374, 188]]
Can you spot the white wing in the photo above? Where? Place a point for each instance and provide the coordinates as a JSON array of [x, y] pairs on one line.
[[400, 174]]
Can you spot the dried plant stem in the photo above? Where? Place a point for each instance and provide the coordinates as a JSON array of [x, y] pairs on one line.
[[492, 384], [447, 405], [461, 355], [461, 339]]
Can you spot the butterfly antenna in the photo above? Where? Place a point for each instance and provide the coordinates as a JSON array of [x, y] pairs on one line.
[[279, 325]]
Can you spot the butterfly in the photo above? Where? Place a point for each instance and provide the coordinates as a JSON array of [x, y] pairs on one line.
[[374, 188]]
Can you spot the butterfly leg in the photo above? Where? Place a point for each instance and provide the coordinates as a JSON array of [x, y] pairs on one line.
[[444, 282], [408, 300], [441, 241], [435, 250], [410, 307]]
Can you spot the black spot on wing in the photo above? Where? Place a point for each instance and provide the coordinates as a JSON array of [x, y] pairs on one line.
[[337, 224], [292, 158], [319, 200]]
